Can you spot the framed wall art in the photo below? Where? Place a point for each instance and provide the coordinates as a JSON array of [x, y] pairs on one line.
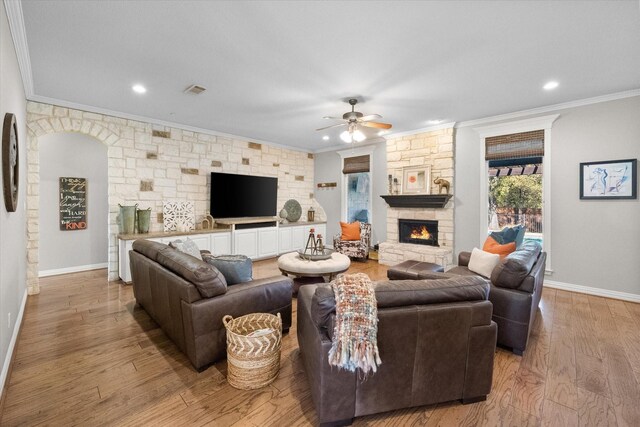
[[10, 162], [611, 179], [416, 180]]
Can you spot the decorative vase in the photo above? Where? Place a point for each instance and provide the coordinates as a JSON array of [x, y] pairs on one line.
[[144, 218], [127, 219]]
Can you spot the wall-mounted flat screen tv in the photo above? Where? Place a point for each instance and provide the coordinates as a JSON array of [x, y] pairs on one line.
[[235, 196]]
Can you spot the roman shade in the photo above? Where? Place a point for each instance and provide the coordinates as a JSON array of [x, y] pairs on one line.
[[515, 145], [356, 164]]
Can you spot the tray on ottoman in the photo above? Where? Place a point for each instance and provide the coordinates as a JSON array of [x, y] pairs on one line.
[[412, 270]]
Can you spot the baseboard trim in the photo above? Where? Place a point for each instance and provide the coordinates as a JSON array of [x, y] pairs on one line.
[[624, 296], [8, 360], [76, 269]]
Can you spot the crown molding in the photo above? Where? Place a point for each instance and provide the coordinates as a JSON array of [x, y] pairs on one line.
[[551, 108], [421, 130], [352, 146], [524, 125], [143, 119], [19, 36]]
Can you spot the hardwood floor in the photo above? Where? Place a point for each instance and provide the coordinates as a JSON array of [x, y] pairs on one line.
[[87, 356]]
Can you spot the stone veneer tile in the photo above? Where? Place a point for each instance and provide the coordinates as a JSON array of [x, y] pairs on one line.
[[176, 150]]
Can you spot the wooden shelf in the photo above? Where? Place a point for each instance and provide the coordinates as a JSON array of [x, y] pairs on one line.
[[437, 201]]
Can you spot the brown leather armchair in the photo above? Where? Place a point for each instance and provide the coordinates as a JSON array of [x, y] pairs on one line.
[[188, 299], [435, 338], [516, 288]]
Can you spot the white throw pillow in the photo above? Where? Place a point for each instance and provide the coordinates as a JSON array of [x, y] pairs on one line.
[[482, 262], [189, 247]]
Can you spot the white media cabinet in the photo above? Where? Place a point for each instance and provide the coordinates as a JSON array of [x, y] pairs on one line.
[[239, 236]]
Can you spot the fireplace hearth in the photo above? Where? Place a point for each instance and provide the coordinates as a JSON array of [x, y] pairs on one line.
[[417, 231]]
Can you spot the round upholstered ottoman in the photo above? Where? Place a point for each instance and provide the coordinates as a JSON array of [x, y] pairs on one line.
[[305, 270]]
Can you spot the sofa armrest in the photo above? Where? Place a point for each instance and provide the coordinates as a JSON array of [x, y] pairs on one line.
[[463, 259], [333, 390], [258, 296]]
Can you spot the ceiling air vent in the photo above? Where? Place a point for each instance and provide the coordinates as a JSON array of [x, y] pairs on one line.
[[195, 89]]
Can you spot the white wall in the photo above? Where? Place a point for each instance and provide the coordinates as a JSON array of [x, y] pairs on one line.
[[328, 168], [12, 225], [593, 243], [79, 156]]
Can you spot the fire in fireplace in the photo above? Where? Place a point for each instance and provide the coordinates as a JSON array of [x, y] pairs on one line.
[[416, 231]]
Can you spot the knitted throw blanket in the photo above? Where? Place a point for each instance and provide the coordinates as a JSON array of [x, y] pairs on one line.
[[355, 343]]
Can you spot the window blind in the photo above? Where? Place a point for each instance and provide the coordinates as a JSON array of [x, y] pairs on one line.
[[356, 164], [515, 145]]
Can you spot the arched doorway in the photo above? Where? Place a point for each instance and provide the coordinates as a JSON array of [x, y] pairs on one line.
[[80, 158]]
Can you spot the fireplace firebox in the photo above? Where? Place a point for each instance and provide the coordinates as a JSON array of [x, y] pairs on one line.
[[417, 231]]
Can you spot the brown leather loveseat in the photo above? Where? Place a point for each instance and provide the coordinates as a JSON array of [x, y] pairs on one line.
[[516, 288], [188, 299], [435, 338]]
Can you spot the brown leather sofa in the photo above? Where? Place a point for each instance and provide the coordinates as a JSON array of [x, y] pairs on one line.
[[435, 338], [188, 299], [516, 288]]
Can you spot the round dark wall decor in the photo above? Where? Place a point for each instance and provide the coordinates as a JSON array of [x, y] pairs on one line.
[[10, 162]]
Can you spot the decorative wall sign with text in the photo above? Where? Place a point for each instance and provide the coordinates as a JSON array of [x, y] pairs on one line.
[[73, 204]]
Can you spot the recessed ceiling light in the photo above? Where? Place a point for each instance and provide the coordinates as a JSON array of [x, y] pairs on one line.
[[434, 122], [139, 88], [550, 85], [326, 137]]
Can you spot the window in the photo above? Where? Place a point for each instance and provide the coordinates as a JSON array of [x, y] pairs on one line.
[[515, 182], [515, 174], [356, 184], [515, 195]]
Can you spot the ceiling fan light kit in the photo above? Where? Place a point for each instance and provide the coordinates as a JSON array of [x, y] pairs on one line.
[[352, 119]]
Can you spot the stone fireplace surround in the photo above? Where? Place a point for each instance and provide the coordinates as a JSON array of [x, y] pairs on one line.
[[435, 149]]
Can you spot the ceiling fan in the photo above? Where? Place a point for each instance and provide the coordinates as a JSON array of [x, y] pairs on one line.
[[352, 120]]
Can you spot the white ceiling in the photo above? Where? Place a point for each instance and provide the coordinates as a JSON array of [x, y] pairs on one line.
[[274, 69]]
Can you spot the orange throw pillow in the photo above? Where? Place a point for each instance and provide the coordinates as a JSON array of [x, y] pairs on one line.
[[490, 245], [350, 231]]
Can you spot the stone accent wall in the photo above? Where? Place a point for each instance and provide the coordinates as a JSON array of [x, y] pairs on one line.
[[434, 149], [149, 164]]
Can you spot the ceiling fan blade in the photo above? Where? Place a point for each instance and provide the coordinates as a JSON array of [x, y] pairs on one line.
[[369, 117], [332, 126], [376, 125], [333, 118]]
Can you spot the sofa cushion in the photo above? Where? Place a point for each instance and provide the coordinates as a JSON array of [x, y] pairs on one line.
[[148, 248], [206, 278], [397, 293], [512, 270], [234, 268], [482, 262]]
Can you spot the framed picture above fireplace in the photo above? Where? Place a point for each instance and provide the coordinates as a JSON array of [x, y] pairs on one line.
[[416, 180]]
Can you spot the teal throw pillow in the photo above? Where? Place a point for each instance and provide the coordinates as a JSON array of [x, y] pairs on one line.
[[510, 234], [234, 268]]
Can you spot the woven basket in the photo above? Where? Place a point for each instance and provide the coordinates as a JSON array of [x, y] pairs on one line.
[[252, 362]]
